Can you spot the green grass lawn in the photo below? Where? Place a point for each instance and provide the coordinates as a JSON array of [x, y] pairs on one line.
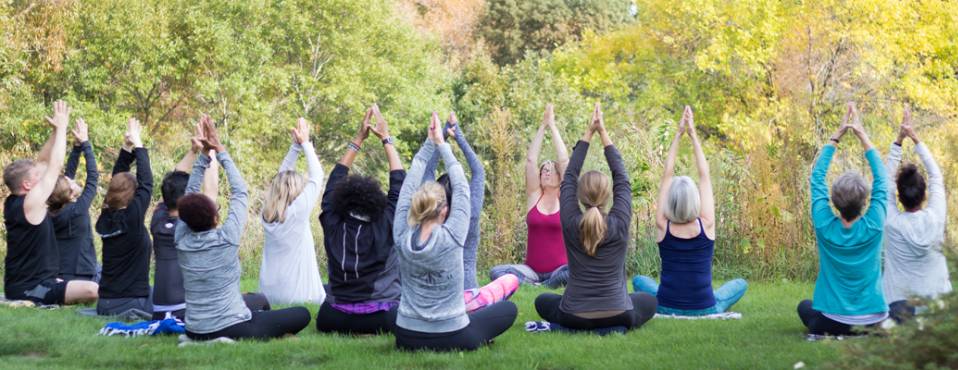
[[768, 336]]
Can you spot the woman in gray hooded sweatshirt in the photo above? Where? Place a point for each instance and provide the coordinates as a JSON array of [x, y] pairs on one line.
[[209, 259], [432, 314]]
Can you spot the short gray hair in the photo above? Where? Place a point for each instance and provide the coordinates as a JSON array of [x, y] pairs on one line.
[[849, 193], [683, 202]]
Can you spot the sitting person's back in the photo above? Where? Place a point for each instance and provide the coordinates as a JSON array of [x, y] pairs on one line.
[[596, 243], [289, 272], [848, 288], [915, 264], [686, 223], [209, 258], [125, 282]]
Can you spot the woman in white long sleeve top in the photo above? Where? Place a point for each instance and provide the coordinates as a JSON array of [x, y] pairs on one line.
[[290, 273], [914, 263]]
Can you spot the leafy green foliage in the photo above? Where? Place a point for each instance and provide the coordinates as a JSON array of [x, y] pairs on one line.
[[515, 27]]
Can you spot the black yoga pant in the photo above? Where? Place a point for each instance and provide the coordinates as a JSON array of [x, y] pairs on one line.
[[819, 324], [263, 325], [901, 311], [331, 320], [643, 309], [484, 326]]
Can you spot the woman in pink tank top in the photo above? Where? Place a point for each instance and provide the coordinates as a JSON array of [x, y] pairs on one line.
[[545, 255]]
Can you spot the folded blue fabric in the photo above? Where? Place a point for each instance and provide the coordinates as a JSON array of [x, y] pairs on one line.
[[156, 327]]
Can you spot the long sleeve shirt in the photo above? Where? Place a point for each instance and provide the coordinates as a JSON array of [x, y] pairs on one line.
[[849, 276], [210, 259], [914, 262], [596, 283], [72, 222], [289, 272], [431, 277]]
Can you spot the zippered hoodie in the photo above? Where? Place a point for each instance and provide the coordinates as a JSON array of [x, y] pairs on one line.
[[210, 259], [432, 282]]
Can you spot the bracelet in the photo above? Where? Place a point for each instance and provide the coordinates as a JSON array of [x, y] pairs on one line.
[[389, 140], [352, 146], [834, 139]]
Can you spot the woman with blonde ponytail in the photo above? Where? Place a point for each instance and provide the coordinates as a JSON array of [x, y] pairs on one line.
[[290, 273], [596, 243], [430, 235]]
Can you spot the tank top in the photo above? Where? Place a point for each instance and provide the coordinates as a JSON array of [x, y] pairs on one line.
[[546, 249], [686, 271]]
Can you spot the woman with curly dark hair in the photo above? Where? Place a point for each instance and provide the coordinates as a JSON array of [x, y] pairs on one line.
[[357, 219]]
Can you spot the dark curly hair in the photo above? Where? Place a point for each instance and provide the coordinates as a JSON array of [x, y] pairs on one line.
[[360, 195], [911, 186], [198, 211]]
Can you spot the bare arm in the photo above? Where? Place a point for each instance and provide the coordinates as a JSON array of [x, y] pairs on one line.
[[35, 203], [706, 197], [562, 154], [532, 165], [666, 183]]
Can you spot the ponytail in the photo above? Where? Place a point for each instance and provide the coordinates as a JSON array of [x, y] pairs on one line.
[[592, 227], [427, 203], [593, 192]]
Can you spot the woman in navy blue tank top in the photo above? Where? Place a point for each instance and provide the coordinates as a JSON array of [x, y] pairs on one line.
[[685, 219]]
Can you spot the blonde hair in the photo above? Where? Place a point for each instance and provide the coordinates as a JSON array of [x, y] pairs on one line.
[[594, 192], [120, 192], [427, 203], [283, 190], [683, 202]]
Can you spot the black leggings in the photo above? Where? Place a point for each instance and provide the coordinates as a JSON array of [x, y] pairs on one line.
[[819, 324], [643, 309], [264, 324], [331, 320], [484, 326]]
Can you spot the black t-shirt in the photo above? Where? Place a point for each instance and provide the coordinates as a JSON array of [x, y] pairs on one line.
[[126, 242], [168, 278], [32, 255]]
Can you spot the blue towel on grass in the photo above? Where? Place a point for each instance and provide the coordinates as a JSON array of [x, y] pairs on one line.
[[156, 327]]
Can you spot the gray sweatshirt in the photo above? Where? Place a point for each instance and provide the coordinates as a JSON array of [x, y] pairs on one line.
[[210, 259], [914, 262], [432, 282]]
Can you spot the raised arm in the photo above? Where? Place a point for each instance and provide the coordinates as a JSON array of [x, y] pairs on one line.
[[292, 155], [382, 132], [354, 145], [34, 204], [477, 182], [92, 177], [562, 154], [211, 179], [937, 204], [239, 199], [893, 159], [706, 197], [81, 137], [313, 169], [409, 186], [459, 212], [144, 174], [821, 209], [666, 183], [533, 187]]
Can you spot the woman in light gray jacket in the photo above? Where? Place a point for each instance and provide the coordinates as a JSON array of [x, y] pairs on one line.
[[432, 314]]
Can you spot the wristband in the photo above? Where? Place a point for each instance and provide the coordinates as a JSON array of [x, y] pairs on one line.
[[835, 140], [352, 146], [389, 140]]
